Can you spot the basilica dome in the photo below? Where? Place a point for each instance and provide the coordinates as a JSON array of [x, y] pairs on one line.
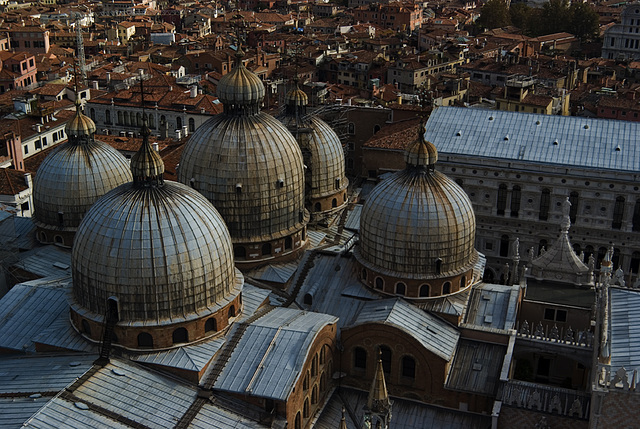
[[323, 155], [72, 178], [418, 226], [161, 253], [250, 167]]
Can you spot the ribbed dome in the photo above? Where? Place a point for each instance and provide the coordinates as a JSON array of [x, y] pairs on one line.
[[72, 178], [415, 218], [421, 153], [250, 167], [160, 248], [80, 125], [240, 90], [297, 97]]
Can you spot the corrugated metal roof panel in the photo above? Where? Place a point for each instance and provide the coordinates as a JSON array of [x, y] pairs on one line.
[[15, 411], [42, 262], [434, 334], [276, 273], [476, 367], [582, 142], [59, 413], [212, 417], [269, 356], [353, 218], [30, 308], [40, 374], [190, 358], [624, 329], [61, 334], [490, 306]]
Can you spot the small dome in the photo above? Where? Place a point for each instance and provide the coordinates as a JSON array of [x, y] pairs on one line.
[[297, 97], [80, 125], [421, 153], [418, 223], [72, 178], [240, 89]]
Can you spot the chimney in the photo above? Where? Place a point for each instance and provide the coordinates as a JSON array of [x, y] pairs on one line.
[[108, 77], [155, 146], [185, 130], [27, 180], [193, 91], [178, 134], [94, 84]]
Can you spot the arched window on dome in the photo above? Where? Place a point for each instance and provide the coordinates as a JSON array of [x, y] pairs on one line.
[[211, 325], [232, 312], [180, 335], [463, 282], [337, 184], [266, 249], [288, 243], [446, 288], [401, 289], [145, 340], [334, 202], [360, 358], [240, 252], [192, 124], [364, 274], [305, 409], [43, 237], [379, 283], [425, 291], [438, 266], [58, 239], [86, 328], [317, 207]]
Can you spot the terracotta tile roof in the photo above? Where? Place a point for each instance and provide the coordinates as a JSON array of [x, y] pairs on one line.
[[395, 136], [12, 182]]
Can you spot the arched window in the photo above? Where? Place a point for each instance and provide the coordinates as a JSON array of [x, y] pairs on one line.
[[618, 212], [86, 328], [504, 246], [58, 239], [138, 119], [314, 395], [364, 273], [376, 128], [163, 119], [107, 117], [577, 249], [178, 123], [119, 117], [408, 367], [145, 340], [438, 266], [542, 244], [588, 251], [636, 216], [288, 243], [516, 194], [463, 282], [43, 237], [314, 365], [240, 252], [360, 358], [635, 262], [351, 128], [192, 124], [573, 211], [323, 382], [446, 288], [545, 203], [305, 409], [266, 249], [308, 299], [152, 121], [401, 288], [211, 325], [334, 202], [305, 382], [386, 359], [425, 291], [601, 252], [615, 259], [502, 199], [232, 312], [298, 423], [323, 354], [317, 207], [180, 335], [379, 283]]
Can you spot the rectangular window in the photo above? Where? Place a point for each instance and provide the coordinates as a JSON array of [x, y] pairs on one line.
[[44, 141], [26, 149], [555, 315]]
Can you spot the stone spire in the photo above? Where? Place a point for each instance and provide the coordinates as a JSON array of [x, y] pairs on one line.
[[377, 412], [147, 166], [560, 262]]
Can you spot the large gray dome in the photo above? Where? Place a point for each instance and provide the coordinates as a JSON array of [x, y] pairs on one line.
[[418, 223], [164, 253], [72, 178], [250, 168]]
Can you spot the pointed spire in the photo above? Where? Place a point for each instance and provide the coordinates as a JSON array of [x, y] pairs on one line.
[[378, 401], [343, 421], [80, 129], [147, 166]]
